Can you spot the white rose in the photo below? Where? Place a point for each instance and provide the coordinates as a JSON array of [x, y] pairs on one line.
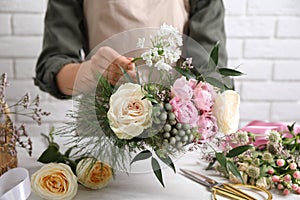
[[226, 110], [129, 115], [54, 181], [93, 174]]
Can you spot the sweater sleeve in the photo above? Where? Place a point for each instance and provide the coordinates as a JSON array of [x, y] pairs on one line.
[[206, 27], [64, 37]]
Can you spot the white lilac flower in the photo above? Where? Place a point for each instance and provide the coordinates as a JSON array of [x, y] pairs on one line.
[[141, 43], [161, 65], [165, 49]]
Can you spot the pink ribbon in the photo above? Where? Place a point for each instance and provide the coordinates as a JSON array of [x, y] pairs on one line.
[[262, 128]]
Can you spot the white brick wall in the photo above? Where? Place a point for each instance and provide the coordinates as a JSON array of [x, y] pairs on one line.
[[263, 39]]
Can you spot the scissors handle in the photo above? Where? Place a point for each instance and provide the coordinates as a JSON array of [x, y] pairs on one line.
[[226, 193], [237, 191]]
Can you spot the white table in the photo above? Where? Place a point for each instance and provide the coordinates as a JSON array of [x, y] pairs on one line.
[[144, 186]]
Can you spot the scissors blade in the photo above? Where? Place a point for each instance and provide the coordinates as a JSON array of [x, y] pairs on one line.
[[189, 175], [209, 181]]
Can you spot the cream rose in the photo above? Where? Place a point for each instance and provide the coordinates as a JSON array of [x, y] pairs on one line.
[[93, 174], [54, 181], [129, 115], [226, 110]]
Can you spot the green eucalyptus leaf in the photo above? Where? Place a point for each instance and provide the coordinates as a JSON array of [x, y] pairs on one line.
[[234, 170], [211, 164], [222, 160], [51, 154], [229, 72], [217, 83], [238, 150], [188, 74], [214, 58], [143, 155], [157, 171], [167, 160]]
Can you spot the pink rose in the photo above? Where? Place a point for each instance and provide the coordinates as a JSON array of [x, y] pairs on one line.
[[280, 162], [296, 175], [293, 166], [182, 89], [286, 191], [185, 111], [207, 127], [280, 186], [295, 187], [287, 178], [271, 171], [276, 179], [204, 96]]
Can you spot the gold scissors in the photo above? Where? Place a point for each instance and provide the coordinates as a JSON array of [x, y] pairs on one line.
[[223, 189]]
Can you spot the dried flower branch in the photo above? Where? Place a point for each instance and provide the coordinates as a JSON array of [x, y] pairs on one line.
[[24, 107]]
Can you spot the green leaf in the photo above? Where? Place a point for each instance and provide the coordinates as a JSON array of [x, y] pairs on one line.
[[211, 164], [214, 57], [67, 153], [167, 160], [238, 150], [222, 160], [51, 154], [127, 77], [143, 155], [215, 82], [136, 59], [234, 170], [229, 72], [188, 74], [157, 171]]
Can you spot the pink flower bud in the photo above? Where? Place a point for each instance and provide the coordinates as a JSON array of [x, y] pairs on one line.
[[280, 187], [298, 191], [296, 175], [271, 171], [293, 166], [295, 187], [286, 191], [287, 178], [280, 162], [276, 179]]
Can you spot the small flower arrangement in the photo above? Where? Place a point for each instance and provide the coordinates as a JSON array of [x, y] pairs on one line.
[[270, 159], [166, 111], [10, 134]]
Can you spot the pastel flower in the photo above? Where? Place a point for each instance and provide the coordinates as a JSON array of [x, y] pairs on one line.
[[185, 111], [93, 174], [204, 96], [298, 191], [129, 114], [280, 186], [226, 111], [293, 166], [287, 178], [276, 179], [263, 182], [54, 181], [182, 89], [207, 127], [271, 171], [295, 187], [280, 162], [253, 171], [296, 175], [286, 191]]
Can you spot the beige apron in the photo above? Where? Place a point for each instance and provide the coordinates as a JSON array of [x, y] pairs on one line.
[[105, 18]]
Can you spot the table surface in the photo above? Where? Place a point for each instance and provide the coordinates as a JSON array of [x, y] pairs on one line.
[[141, 183]]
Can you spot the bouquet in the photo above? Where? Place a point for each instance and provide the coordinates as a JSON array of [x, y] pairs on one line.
[[170, 108], [268, 156]]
